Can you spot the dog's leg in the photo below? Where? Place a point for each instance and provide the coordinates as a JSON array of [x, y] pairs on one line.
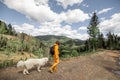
[[27, 71], [24, 71], [38, 68]]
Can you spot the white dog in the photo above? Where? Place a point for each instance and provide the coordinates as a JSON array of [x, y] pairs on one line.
[[30, 63]]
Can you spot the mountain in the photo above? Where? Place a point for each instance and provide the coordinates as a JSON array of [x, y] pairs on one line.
[[53, 37], [50, 39]]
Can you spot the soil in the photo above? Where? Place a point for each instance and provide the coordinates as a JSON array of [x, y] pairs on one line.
[[98, 66]]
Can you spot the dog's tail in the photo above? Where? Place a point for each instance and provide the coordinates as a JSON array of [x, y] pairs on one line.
[[20, 64]]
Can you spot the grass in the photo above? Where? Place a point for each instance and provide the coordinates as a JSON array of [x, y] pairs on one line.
[[7, 63], [13, 58], [10, 59], [81, 54]]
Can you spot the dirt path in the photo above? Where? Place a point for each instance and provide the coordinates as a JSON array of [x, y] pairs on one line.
[[99, 66]]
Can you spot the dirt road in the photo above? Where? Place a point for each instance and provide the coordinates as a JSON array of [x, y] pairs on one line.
[[98, 66]]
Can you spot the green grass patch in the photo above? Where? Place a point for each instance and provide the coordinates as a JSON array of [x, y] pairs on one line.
[[80, 54]]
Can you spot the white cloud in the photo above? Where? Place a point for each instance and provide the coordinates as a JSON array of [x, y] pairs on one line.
[[104, 10], [65, 3], [50, 21], [26, 28], [76, 15], [85, 5], [72, 16], [102, 19], [111, 25], [82, 28], [4, 21], [45, 29], [41, 2], [40, 12]]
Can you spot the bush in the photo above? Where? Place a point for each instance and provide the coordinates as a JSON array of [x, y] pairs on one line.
[[7, 63], [74, 53], [3, 41]]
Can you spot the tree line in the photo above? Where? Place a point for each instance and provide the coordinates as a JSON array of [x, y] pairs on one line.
[[97, 39]]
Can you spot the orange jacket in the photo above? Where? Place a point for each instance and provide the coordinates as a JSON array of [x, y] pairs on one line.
[[56, 49]]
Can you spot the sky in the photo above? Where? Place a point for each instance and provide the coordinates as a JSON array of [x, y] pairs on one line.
[[68, 18]]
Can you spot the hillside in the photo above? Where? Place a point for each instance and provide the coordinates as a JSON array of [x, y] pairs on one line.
[[100, 66], [53, 37], [13, 49], [50, 39], [15, 46], [13, 43]]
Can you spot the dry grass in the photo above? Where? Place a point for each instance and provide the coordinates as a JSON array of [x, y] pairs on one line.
[[9, 36], [16, 56]]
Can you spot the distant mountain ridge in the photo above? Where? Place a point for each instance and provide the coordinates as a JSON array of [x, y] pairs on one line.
[[50, 39]]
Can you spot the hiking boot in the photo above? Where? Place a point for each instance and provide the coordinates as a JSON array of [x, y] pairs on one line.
[[55, 70], [51, 70]]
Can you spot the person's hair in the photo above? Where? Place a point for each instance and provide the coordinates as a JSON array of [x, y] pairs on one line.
[[57, 42]]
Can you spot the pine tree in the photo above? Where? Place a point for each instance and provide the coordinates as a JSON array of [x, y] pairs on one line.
[[93, 31], [10, 29], [3, 28], [101, 41], [88, 45], [109, 41]]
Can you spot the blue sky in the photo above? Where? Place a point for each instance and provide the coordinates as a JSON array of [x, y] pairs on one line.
[[60, 17]]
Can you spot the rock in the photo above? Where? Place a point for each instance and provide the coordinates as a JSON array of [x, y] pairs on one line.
[[118, 63], [119, 58], [117, 72]]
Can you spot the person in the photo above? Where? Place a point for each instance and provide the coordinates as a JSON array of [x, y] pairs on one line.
[[53, 68]]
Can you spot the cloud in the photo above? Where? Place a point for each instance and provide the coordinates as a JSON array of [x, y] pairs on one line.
[[111, 25], [41, 2], [26, 28], [74, 16], [40, 11], [82, 28], [45, 29], [66, 3], [85, 5], [104, 10], [102, 19], [37, 10], [50, 21]]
